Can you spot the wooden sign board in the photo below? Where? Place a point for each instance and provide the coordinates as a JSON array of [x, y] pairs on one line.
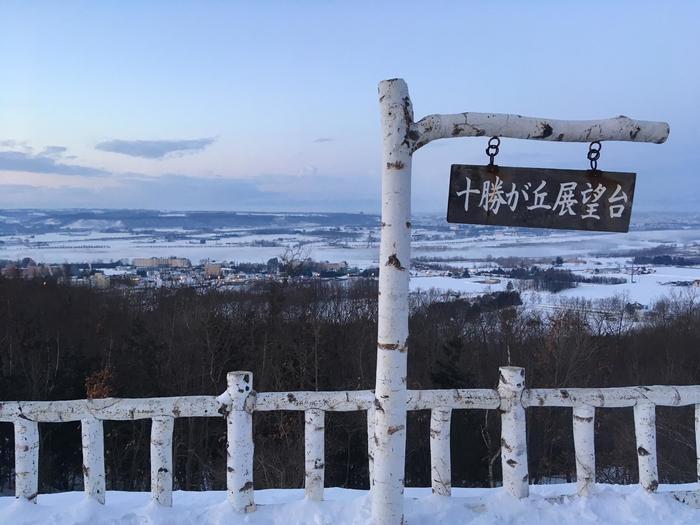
[[541, 198]]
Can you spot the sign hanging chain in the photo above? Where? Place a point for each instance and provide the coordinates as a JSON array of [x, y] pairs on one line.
[[492, 151], [594, 154]]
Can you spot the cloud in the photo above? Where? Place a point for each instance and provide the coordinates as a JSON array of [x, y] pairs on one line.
[[44, 163], [155, 149], [323, 139], [17, 145], [171, 191], [53, 151]]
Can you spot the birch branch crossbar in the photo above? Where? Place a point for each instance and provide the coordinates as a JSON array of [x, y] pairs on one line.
[[238, 403]]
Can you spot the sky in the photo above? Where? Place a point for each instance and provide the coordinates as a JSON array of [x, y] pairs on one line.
[[272, 106]]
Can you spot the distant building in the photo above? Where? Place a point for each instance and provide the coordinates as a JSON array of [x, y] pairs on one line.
[[158, 262], [212, 270], [332, 267], [100, 280]]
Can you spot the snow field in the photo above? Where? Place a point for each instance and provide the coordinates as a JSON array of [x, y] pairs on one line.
[[612, 505]]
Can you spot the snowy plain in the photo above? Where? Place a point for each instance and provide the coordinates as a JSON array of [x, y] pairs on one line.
[[81, 236], [613, 505]]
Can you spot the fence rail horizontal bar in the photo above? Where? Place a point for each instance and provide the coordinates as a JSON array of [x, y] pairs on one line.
[[116, 409], [673, 396], [339, 401], [125, 409]]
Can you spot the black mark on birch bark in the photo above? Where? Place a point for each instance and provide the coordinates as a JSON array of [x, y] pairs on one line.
[[393, 430], [546, 131], [394, 261]]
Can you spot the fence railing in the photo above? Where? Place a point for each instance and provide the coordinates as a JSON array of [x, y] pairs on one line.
[[239, 401]]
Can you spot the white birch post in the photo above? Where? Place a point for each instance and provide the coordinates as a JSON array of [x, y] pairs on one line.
[[697, 439], [92, 436], [584, 448], [239, 445], [394, 262], [314, 453], [645, 432], [26, 459], [371, 447], [440, 460], [162, 460], [513, 431]]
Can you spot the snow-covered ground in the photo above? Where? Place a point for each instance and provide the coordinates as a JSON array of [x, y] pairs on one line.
[[646, 289], [612, 505], [113, 235]]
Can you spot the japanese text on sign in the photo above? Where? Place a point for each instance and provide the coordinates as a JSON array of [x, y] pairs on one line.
[[544, 198]]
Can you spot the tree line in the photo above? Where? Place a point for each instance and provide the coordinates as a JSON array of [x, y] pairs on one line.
[[62, 342]]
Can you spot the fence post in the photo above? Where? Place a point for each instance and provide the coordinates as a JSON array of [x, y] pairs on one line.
[[162, 460], [26, 459], [371, 446], [645, 432], [93, 441], [239, 446], [314, 453], [584, 448], [440, 461], [513, 431], [697, 439]]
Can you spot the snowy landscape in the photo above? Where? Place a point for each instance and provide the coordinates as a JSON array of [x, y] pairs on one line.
[[90, 236], [349, 263]]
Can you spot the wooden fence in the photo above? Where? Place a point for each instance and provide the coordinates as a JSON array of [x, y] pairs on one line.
[[239, 401]]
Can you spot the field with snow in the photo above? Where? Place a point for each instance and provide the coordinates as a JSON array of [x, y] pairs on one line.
[[610, 505], [108, 235]]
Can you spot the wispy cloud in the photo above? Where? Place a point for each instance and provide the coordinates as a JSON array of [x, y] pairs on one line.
[[175, 191], [323, 139], [54, 151], [155, 149], [45, 162]]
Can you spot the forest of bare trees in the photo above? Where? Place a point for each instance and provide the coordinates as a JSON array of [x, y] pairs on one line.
[[60, 342]]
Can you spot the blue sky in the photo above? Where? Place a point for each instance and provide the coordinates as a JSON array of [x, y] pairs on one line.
[[273, 105]]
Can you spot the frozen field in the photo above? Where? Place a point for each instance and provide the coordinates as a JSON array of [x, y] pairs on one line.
[[80, 236], [612, 505], [646, 290], [246, 247]]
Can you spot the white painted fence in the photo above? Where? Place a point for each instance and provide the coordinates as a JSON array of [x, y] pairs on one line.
[[239, 401]]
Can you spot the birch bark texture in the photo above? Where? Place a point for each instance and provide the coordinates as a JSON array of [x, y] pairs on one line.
[[371, 448], [93, 441], [394, 262], [511, 384], [697, 440], [584, 448], [162, 460], [314, 453], [26, 459], [645, 432], [440, 460], [239, 442]]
